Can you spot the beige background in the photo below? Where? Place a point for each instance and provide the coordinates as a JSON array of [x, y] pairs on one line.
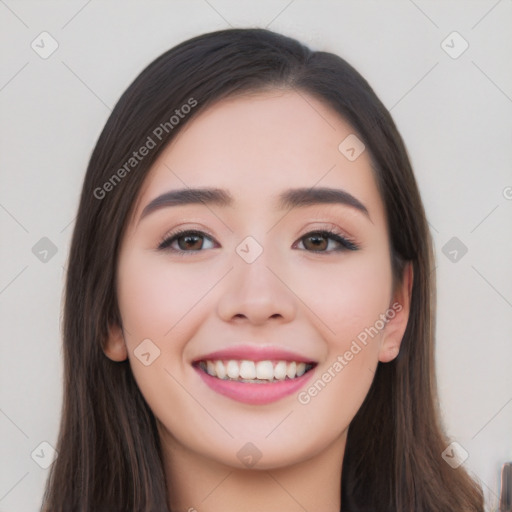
[[455, 115]]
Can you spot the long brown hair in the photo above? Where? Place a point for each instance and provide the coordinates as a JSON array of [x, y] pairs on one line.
[[109, 452]]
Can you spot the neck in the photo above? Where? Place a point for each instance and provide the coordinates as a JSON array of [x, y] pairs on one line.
[[199, 484]]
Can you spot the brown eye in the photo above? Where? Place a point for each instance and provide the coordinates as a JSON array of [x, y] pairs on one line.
[[192, 242], [187, 241], [319, 241]]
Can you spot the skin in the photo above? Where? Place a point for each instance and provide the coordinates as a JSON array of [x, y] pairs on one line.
[[313, 303]]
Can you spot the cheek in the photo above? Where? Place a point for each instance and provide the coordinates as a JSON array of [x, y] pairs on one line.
[[158, 302], [348, 297], [154, 295], [353, 298]]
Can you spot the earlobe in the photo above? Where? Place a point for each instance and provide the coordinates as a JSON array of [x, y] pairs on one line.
[[115, 346], [388, 354], [398, 314]]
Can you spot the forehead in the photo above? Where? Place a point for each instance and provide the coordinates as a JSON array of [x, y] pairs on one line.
[[257, 145]]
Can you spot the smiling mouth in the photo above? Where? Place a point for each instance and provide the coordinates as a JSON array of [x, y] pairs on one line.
[[254, 372]]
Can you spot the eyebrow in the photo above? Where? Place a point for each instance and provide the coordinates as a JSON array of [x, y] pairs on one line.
[[291, 198]]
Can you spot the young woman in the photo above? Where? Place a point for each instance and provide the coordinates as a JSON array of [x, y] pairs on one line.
[[249, 309]]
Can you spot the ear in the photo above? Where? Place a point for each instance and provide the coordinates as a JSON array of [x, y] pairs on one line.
[[398, 315], [115, 346]]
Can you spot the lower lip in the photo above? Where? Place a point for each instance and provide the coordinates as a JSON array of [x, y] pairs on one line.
[[255, 394]]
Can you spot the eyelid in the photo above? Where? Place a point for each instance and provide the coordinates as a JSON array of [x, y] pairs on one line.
[[329, 227], [187, 226]]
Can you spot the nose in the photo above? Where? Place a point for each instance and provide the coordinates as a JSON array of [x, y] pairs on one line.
[[257, 292]]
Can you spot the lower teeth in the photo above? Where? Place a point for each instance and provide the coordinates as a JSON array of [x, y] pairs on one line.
[[255, 381]]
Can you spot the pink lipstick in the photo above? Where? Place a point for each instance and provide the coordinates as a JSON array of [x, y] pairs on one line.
[[254, 375]]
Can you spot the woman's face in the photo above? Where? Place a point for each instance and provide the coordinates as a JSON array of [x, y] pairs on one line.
[[254, 337]]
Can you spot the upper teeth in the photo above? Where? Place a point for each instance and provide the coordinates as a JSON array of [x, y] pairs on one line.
[[251, 370]]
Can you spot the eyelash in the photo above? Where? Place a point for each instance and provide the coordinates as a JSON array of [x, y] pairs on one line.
[[346, 243]]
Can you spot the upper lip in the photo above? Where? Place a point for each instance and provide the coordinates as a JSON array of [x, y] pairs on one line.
[[253, 353]]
